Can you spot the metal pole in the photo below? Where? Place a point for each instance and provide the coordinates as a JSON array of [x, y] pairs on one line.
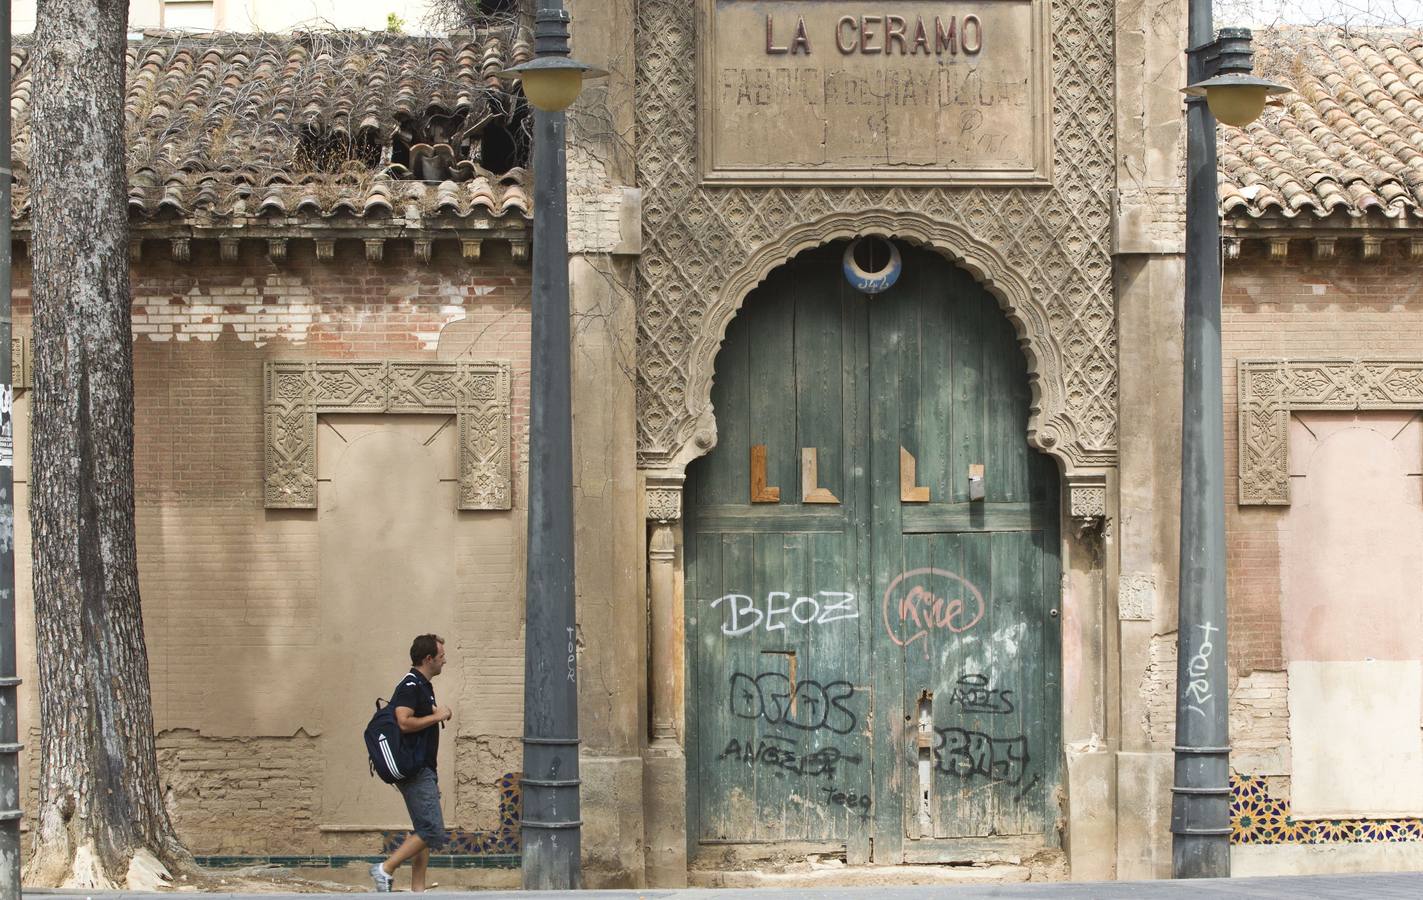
[[1200, 808], [9, 683], [551, 825]]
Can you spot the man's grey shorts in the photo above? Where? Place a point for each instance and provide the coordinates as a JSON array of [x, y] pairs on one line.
[[422, 799]]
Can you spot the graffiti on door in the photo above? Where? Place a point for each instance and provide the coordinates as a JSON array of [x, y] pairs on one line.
[[924, 602], [746, 614], [807, 704]]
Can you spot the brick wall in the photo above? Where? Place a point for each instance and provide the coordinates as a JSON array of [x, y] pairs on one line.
[[1260, 725], [1294, 308], [232, 591]]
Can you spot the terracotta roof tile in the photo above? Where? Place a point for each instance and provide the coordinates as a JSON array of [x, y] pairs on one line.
[[229, 127], [1348, 139]]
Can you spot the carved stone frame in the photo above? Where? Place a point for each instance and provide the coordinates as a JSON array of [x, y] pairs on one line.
[[1269, 390], [1050, 426], [295, 392]]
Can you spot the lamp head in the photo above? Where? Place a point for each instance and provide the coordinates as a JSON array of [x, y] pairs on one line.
[[1236, 99], [551, 79], [552, 83], [1235, 96]]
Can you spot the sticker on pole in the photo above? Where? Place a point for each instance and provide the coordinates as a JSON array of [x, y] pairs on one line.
[[7, 427]]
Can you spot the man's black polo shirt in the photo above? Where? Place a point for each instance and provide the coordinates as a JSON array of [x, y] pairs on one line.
[[417, 693]]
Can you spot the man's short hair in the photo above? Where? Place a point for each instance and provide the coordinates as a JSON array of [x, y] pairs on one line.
[[423, 646]]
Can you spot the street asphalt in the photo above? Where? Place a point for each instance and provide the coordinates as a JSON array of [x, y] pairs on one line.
[[1374, 887]]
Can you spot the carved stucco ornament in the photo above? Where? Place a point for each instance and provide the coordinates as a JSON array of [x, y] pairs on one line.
[[477, 393], [1136, 597], [664, 504], [1268, 390], [1088, 501], [1043, 252]]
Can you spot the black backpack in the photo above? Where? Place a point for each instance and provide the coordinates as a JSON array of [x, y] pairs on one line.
[[392, 755]]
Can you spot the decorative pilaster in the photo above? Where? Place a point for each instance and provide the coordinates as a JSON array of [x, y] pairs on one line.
[[665, 764], [664, 512]]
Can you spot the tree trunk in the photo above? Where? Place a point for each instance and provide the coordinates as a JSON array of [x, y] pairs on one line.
[[101, 815]]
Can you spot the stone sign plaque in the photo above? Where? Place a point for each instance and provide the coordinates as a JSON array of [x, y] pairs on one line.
[[888, 92]]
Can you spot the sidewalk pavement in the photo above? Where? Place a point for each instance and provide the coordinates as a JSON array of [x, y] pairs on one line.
[[1325, 887]]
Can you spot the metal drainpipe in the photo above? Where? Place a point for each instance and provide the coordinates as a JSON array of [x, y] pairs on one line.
[[9, 683], [551, 824], [1200, 807]]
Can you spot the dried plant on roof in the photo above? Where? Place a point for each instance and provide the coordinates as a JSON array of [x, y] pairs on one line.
[[317, 122]]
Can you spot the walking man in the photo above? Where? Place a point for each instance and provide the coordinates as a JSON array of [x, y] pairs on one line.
[[419, 719]]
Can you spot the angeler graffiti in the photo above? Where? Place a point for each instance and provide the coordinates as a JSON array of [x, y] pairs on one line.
[[807, 705], [973, 754], [821, 608], [782, 755], [923, 602], [973, 694]]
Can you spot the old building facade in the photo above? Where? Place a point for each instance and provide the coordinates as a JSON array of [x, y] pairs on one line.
[[877, 411]]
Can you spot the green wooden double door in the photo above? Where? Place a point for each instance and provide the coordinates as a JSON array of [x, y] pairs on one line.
[[873, 656]]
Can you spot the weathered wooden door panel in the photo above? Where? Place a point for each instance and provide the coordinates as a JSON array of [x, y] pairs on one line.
[[775, 599], [865, 664], [966, 587]]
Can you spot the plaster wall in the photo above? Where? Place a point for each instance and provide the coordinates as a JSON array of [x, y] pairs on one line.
[[1325, 623], [270, 632]]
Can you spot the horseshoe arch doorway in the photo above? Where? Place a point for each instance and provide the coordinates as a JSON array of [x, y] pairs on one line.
[[873, 648]]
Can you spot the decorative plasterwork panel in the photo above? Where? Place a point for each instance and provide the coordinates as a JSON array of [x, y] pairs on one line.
[[664, 504], [1088, 501], [1043, 252], [297, 391], [1270, 389]]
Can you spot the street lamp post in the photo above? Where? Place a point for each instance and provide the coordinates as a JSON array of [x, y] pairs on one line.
[[1221, 87], [9, 680], [551, 825]]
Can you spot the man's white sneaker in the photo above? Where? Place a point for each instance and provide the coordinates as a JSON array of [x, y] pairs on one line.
[[382, 880]]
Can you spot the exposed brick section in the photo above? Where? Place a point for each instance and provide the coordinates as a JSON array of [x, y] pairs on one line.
[[242, 795], [1260, 724], [203, 329], [1295, 308]]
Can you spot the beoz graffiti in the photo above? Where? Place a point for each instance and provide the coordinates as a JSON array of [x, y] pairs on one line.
[[821, 609], [807, 705]]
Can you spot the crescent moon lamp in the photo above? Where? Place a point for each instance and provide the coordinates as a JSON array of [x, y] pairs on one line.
[[872, 282]]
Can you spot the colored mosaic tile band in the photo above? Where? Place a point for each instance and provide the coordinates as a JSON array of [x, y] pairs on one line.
[[1258, 818], [502, 841]]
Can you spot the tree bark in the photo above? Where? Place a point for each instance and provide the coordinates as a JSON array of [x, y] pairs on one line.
[[101, 807]]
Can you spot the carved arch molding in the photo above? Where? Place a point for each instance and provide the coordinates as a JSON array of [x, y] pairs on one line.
[[1268, 390], [1043, 252], [477, 393]]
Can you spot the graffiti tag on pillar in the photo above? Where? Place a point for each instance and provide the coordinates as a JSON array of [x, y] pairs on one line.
[[925, 602], [1198, 687]]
